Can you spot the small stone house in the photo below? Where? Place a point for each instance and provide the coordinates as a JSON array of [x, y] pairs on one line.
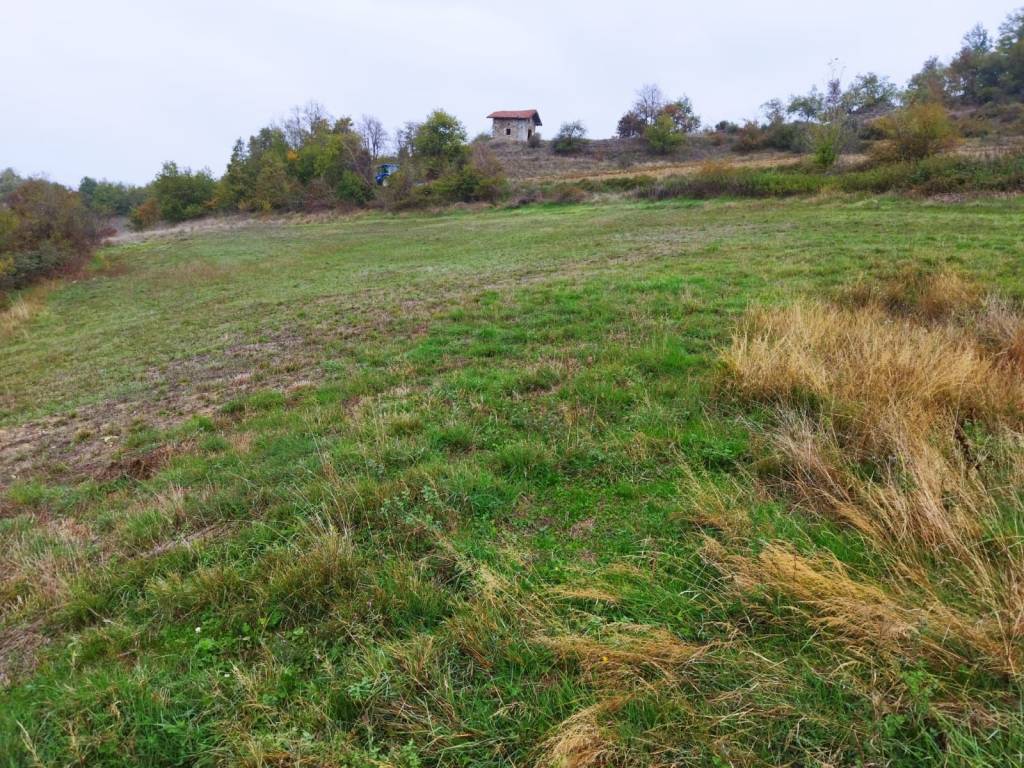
[[515, 125]]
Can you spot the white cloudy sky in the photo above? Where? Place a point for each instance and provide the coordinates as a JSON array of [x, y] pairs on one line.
[[111, 88]]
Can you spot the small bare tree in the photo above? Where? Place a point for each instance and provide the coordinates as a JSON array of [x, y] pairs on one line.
[[305, 121], [404, 136], [375, 136], [650, 102]]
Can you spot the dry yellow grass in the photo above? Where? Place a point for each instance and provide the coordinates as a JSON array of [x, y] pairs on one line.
[[625, 654], [900, 620], [876, 406], [581, 740], [24, 307]]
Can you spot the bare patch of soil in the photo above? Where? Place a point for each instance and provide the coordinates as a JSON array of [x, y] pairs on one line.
[[86, 442]]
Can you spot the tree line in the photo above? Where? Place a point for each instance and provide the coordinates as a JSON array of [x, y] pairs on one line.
[[314, 161]]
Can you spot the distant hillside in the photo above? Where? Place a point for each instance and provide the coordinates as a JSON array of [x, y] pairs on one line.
[[597, 157]]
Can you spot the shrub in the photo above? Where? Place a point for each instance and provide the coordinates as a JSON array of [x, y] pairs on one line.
[[353, 188], [480, 179], [718, 180], [571, 138], [182, 194], [145, 215], [398, 192], [827, 142], [572, 193], [630, 125], [44, 229], [491, 183], [934, 175], [915, 132], [663, 137], [534, 141], [749, 138]]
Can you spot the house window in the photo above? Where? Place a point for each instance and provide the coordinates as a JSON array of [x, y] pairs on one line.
[[508, 131]]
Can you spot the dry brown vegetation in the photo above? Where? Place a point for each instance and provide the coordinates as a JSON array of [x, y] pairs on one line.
[[897, 412]]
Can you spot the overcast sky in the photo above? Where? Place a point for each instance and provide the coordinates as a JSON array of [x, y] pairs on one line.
[[112, 88]]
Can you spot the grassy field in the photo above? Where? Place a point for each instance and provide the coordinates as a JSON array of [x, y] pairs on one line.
[[636, 483]]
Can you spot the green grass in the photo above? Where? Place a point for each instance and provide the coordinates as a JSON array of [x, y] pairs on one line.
[[945, 174], [384, 483]]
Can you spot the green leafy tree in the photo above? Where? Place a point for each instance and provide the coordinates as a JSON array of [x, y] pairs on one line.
[[930, 85], [1010, 47], [663, 137], [808, 106], [973, 72], [869, 91], [108, 198], [182, 194], [273, 188], [682, 115], [571, 138], [9, 181], [630, 125], [440, 142]]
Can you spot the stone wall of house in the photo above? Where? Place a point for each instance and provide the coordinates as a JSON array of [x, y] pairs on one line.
[[520, 129]]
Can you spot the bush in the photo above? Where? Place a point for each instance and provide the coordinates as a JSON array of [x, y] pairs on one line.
[[182, 194], [783, 136], [914, 133], [44, 229], [398, 192], [480, 179], [353, 188], [534, 141], [827, 142], [717, 180], [572, 193], [145, 215], [939, 175], [663, 137], [571, 138], [931, 176]]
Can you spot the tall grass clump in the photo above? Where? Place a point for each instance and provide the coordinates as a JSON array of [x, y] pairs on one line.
[[897, 413], [721, 180], [941, 174]]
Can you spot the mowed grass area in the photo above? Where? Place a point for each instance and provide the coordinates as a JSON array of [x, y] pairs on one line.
[[499, 488]]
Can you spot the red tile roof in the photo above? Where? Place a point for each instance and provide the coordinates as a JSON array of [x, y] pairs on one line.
[[516, 114]]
